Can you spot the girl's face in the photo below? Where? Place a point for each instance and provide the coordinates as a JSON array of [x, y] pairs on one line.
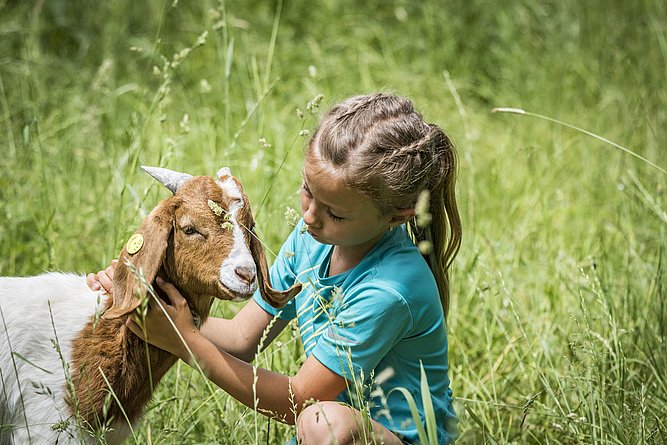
[[337, 214]]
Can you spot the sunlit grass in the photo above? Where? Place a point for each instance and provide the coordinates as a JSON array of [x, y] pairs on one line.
[[558, 327]]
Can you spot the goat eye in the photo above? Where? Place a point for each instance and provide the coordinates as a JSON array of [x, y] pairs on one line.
[[189, 230]]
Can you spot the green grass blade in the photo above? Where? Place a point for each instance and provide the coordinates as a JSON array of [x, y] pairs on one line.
[[581, 130], [421, 432], [429, 412]]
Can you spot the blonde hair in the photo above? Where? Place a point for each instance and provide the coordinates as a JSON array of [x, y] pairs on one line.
[[388, 153]]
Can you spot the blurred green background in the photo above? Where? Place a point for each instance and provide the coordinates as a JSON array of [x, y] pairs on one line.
[[558, 325]]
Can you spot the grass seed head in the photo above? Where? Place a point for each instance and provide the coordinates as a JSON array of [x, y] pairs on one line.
[[215, 208], [425, 247], [227, 225], [314, 103], [204, 86], [292, 217], [422, 206]]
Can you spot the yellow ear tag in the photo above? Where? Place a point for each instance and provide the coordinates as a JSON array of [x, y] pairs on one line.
[[135, 243]]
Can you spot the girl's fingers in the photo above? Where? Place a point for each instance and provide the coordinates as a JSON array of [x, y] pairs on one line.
[[102, 280], [105, 280], [91, 281], [171, 291], [157, 303]]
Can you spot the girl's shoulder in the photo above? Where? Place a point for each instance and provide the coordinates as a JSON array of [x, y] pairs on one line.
[[397, 265], [396, 256]]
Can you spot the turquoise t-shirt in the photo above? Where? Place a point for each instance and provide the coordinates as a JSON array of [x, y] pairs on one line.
[[372, 324]]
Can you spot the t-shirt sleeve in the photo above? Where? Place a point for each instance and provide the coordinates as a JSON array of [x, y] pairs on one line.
[[368, 323], [282, 276]]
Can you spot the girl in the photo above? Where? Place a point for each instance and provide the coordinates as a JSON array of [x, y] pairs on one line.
[[372, 310]]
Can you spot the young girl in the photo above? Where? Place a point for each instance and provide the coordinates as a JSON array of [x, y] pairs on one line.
[[372, 309]]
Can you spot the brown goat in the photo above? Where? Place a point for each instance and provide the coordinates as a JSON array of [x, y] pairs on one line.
[[202, 240]]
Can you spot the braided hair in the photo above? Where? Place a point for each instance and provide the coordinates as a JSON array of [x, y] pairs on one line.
[[388, 153]]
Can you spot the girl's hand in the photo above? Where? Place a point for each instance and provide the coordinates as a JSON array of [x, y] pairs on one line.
[[102, 280], [157, 328]]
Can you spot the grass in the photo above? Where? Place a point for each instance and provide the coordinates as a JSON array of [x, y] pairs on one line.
[[558, 329]]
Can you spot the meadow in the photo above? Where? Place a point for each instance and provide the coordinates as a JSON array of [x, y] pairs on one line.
[[558, 325]]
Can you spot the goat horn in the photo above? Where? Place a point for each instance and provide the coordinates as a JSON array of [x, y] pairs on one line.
[[171, 179]]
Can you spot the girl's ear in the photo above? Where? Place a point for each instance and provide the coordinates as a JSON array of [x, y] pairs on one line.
[[401, 216]]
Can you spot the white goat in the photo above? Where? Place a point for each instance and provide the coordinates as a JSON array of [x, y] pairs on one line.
[[70, 369]]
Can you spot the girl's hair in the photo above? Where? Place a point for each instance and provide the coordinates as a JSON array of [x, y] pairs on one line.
[[385, 151]]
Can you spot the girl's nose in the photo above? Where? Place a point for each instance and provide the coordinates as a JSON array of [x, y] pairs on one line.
[[310, 216]]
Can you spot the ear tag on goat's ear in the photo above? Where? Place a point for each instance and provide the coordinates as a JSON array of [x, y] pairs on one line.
[[134, 244]]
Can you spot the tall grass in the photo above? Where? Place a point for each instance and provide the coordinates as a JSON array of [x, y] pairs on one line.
[[558, 328]]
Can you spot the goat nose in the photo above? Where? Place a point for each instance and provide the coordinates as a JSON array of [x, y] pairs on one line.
[[246, 273]]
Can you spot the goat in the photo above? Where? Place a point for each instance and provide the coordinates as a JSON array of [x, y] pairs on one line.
[[69, 366]]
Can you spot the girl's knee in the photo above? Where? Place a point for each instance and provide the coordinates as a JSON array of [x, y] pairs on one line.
[[325, 423]]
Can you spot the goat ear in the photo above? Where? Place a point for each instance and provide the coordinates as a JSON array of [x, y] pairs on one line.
[[138, 268], [274, 297]]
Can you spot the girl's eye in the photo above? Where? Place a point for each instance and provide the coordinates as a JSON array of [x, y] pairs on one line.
[[306, 190], [334, 217]]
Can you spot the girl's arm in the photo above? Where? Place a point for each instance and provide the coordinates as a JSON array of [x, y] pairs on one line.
[[277, 395], [241, 335]]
